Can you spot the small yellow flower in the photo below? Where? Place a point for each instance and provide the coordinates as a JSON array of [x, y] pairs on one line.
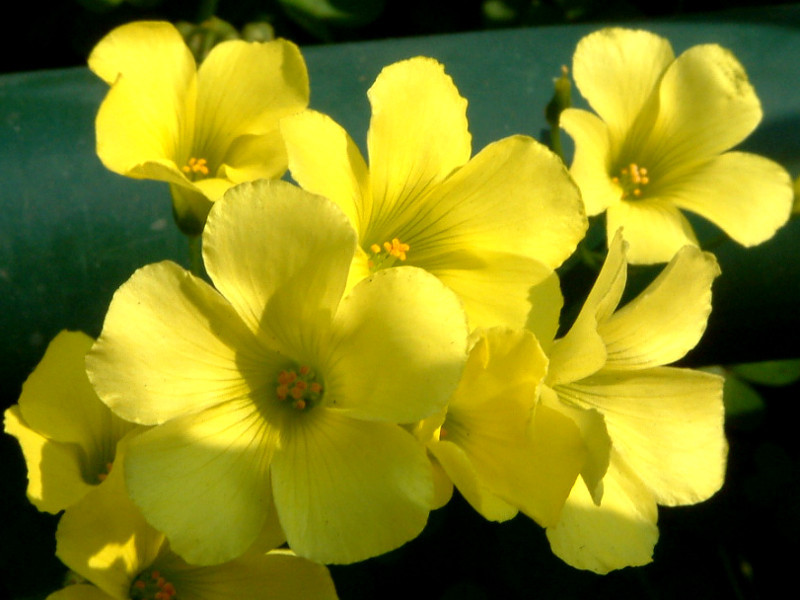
[[501, 448], [68, 436], [654, 434], [489, 226], [660, 143], [104, 539], [275, 385], [203, 129]]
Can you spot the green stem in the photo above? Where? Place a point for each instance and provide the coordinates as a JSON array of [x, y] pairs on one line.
[[555, 142], [196, 255]]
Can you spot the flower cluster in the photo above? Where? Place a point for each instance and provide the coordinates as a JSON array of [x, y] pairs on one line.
[[389, 328]]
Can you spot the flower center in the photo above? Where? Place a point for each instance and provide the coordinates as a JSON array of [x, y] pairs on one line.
[[150, 585], [196, 168], [632, 179], [299, 388], [385, 256], [101, 477]]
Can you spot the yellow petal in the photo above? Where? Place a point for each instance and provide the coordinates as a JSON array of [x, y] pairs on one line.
[[148, 113], [80, 591], [559, 455], [616, 70], [621, 532], [747, 196], [138, 125], [250, 157], [590, 165], [593, 433], [399, 346], [57, 399], [654, 229], [515, 196], [546, 304], [324, 160], [486, 448], [143, 50], [461, 471], [246, 88], [706, 106], [417, 135], [495, 287], [171, 344], [667, 424], [442, 485], [55, 471], [269, 243], [67, 434], [582, 351], [104, 537], [513, 450], [337, 502], [667, 319], [277, 575], [202, 479]]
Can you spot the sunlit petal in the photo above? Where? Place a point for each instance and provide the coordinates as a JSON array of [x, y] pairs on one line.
[[324, 160], [399, 347], [655, 328], [203, 479], [171, 344], [417, 135], [347, 490], [667, 424], [271, 244], [621, 532], [616, 70], [747, 196], [655, 230]]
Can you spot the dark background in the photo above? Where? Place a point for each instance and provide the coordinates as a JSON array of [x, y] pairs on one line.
[[741, 544]]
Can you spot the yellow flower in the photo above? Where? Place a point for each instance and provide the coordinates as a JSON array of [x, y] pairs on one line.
[[489, 227], [105, 540], [659, 143], [68, 436], [654, 434], [203, 129], [275, 380], [502, 449]]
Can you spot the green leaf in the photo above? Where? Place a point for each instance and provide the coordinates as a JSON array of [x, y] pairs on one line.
[[770, 372], [344, 12]]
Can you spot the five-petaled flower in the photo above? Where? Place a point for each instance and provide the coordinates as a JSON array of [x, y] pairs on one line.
[[68, 436], [203, 129], [274, 386], [653, 433], [659, 143], [489, 227], [105, 540]]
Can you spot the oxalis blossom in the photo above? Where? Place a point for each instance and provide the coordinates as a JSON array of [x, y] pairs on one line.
[[502, 448], [67, 435], [273, 386], [653, 433], [203, 129], [660, 143], [490, 226], [105, 540]]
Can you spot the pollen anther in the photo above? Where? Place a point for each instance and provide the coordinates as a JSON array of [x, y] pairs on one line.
[[386, 255], [299, 386], [152, 586], [196, 166], [631, 179]]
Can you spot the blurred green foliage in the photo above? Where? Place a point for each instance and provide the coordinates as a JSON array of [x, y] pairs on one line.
[[62, 33]]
